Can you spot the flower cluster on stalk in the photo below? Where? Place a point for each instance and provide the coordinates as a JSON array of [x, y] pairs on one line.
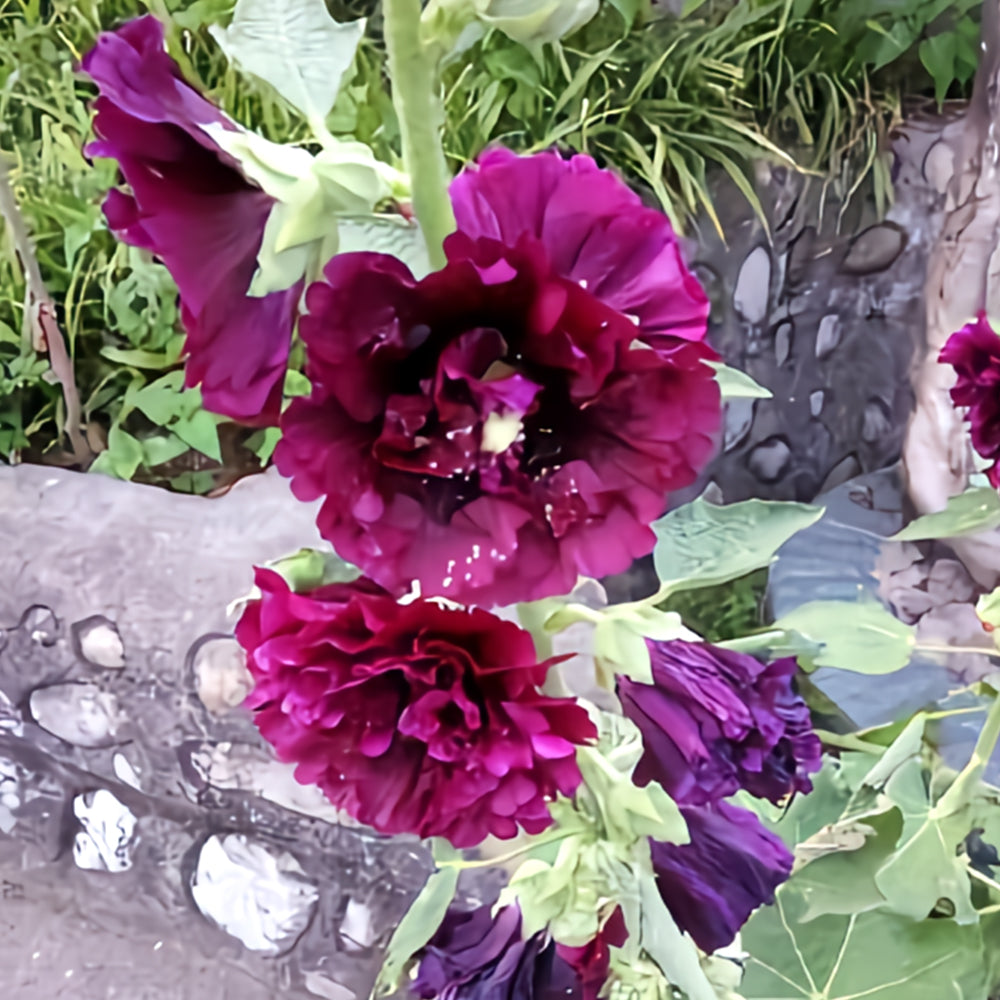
[[486, 434]]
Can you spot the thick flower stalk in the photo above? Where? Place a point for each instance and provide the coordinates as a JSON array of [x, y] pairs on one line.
[[520, 417], [974, 353], [412, 718]]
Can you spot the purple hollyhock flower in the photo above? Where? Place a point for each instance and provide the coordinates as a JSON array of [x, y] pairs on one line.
[[714, 721], [190, 205], [974, 353], [731, 866], [412, 718], [476, 957], [493, 431], [595, 230]]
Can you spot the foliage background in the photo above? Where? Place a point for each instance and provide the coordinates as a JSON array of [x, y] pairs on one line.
[[817, 83]]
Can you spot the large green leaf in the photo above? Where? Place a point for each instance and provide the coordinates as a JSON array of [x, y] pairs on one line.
[[862, 636], [970, 512], [295, 46], [875, 955], [844, 880], [700, 544]]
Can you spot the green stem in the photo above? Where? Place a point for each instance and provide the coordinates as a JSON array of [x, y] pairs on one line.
[[933, 647], [417, 100], [964, 786], [754, 641], [848, 741], [501, 859]]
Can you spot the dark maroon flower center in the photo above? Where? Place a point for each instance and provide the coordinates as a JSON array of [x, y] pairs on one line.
[[492, 391]]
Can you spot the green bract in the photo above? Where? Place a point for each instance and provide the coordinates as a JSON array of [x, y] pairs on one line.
[[310, 192], [603, 855], [534, 23]]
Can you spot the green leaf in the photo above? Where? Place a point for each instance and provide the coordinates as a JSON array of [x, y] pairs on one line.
[[161, 400], [734, 384], [263, 442], [416, 928], [162, 448], [139, 358], [123, 456], [201, 432], [295, 46], [875, 955], [928, 870], [629, 9], [905, 747], [311, 193], [859, 636], [966, 514], [938, 54], [842, 880], [536, 22], [700, 544]]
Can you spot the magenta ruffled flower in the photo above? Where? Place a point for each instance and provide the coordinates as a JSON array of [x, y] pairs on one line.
[[495, 430], [731, 866], [714, 721], [474, 956], [189, 204], [974, 353], [596, 232], [412, 718]]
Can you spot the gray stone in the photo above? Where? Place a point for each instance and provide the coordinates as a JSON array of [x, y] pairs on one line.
[[828, 335], [750, 297], [769, 459], [863, 352], [876, 422], [107, 837], [261, 897], [99, 643], [221, 677], [79, 713], [783, 342], [739, 419], [875, 249]]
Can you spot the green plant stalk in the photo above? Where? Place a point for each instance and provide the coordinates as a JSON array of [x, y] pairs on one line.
[[964, 786], [413, 72]]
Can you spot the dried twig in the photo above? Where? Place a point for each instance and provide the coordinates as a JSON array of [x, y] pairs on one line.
[[46, 335]]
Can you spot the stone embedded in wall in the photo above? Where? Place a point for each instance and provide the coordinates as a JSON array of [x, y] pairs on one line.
[[826, 315]]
